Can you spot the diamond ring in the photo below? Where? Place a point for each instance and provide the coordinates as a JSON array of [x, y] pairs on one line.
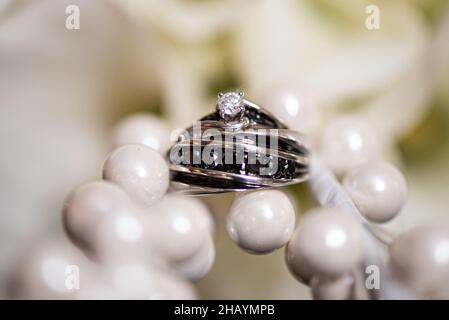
[[238, 147]]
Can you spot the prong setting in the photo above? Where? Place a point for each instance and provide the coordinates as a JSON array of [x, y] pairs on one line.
[[230, 106]]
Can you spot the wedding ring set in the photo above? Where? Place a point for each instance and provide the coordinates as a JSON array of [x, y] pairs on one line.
[[239, 146]]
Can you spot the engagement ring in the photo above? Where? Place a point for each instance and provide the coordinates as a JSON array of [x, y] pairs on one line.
[[238, 147]]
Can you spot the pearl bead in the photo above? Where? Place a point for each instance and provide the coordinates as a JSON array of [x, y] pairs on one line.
[[378, 190], [420, 257], [121, 235], [326, 242], [261, 221], [136, 280], [197, 266], [181, 225], [295, 106], [139, 170], [99, 292], [143, 129], [340, 288], [170, 287], [52, 270], [348, 142], [133, 279], [87, 205], [296, 263]]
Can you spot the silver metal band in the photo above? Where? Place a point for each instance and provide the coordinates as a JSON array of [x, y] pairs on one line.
[[255, 141]]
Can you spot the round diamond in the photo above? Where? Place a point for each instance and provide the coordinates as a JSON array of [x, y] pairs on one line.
[[230, 106]]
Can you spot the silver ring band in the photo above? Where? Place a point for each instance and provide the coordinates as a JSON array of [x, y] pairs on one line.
[[238, 147]]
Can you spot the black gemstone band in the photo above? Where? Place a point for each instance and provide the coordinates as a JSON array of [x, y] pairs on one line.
[[257, 152]]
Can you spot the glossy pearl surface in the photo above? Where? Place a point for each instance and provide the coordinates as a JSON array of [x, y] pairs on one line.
[[87, 205], [293, 105], [142, 128], [121, 235], [420, 257], [326, 242], [297, 264], [378, 189], [140, 171], [181, 224], [197, 266], [136, 280], [348, 142], [261, 221]]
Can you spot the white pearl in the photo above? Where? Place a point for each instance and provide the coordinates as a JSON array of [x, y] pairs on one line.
[[51, 270], [133, 279], [142, 128], [170, 287], [139, 170], [182, 225], [122, 235], [98, 291], [325, 288], [293, 105], [378, 190], [261, 221], [420, 257], [99, 287], [137, 280], [348, 142], [197, 266], [326, 242], [87, 205], [297, 263]]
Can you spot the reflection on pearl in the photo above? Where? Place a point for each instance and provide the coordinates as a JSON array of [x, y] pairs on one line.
[[441, 252], [292, 105], [326, 242], [348, 142], [144, 129], [335, 238], [50, 270], [295, 106], [182, 225], [261, 221], [420, 258], [139, 170], [378, 190], [87, 205], [119, 236], [128, 228]]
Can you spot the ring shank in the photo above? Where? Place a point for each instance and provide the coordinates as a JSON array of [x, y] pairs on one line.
[[289, 156]]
